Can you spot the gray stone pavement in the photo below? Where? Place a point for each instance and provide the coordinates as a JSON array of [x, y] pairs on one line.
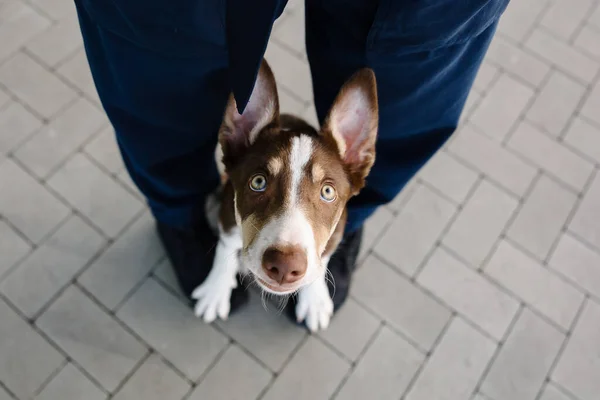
[[480, 281]]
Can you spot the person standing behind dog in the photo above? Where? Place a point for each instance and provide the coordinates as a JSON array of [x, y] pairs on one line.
[[164, 71]]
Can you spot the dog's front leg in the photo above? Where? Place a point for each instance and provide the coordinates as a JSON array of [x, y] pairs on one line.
[[214, 294], [314, 305]]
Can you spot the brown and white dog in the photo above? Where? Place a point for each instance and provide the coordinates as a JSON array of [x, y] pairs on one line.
[[284, 195]]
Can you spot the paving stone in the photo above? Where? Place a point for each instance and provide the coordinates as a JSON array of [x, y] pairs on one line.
[[71, 384], [414, 232], [405, 194], [561, 54], [287, 33], [4, 98], [584, 137], [478, 225], [267, 334], [551, 156], [50, 147], [310, 114], [497, 163], [19, 23], [501, 107], [26, 359], [519, 370], [154, 380], [16, 125], [453, 370], [469, 293], [290, 105], [28, 205], [534, 284], [104, 149], [585, 221], [76, 70], [519, 18], [564, 17], [291, 72], [517, 61], [592, 104], [578, 263], [57, 42], [550, 392], [4, 395], [57, 9], [35, 85], [594, 18], [385, 371], [95, 195], [12, 248], [579, 365], [485, 76], [542, 217], [350, 330], [314, 373], [472, 102], [92, 338], [165, 274], [449, 176], [588, 41], [556, 102], [51, 266], [250, 378], [170, 327], [124, 264], [374, 227], [400, 303]]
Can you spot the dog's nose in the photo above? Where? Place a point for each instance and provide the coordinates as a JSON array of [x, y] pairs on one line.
[[284, 264]]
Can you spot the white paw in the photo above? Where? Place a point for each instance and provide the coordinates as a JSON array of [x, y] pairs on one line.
[[315, 306], [213, 297]]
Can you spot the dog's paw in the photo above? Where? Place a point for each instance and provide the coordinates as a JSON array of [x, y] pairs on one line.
[[213, 297], [314, 306]]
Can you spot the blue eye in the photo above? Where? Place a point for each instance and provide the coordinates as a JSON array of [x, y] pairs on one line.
[[258, 183], [328, 193]]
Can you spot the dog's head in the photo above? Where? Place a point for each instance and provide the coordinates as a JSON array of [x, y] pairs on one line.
[[290, 182]]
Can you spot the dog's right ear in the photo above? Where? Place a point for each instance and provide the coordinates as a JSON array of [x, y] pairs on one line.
[[238, 131]]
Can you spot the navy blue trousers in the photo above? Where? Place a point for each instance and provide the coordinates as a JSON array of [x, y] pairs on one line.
[[163, 70]]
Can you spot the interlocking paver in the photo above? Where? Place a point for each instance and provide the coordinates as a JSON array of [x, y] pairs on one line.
[[57, 9], [374, 228], [35, 85], [479, 223], [551, 156], [26, 359], [154, 380], [552, 393], [28, 205], [71, 384], [18, 23], [400, 303], [520, 17], [313, 373], [287, 33], [95, 195], [579, 366], [585, 221], [469, 293], [16, 125], [454, 369], [4, 98], [91, 338], [51, 266], [485, 76], [104, 149], [76, 70], [49, 147], [56, 43], [592, 104], [534, 284], [12, 247], [170, 327], [563, 17], [578, 263], [555, 103], [290, 72], [524, 360], [414, 232], [588, 41], [499, 110], [449, 176], [584, 137], [4, 395], [250, 378], [385, 371], [542, 217]]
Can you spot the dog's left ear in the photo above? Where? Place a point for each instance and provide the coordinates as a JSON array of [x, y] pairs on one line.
[[238, 131], [352, 125]]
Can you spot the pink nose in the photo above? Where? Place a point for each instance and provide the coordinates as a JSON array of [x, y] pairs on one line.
[[284, 264]]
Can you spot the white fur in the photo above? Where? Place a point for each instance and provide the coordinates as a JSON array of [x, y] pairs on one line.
[[300, 153], [314, 305], [213, 295]]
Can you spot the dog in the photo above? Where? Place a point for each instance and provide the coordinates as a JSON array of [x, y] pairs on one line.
[[285, 186]]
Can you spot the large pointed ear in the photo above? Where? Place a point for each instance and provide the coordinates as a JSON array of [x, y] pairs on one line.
[[352, 124], [238, 131]]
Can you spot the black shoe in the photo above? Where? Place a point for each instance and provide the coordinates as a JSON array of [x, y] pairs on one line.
[[341, 265], [191, 253]]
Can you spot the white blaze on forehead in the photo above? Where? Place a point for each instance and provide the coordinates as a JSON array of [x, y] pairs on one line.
[[300, 153]]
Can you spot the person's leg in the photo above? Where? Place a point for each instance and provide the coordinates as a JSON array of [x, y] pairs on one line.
[[425, 56], [162, 73]]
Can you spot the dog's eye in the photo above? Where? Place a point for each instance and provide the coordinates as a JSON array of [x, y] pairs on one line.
[[258, 183], [328, 193]]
